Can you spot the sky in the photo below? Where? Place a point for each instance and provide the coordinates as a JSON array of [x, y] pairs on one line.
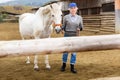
[[3, 1]]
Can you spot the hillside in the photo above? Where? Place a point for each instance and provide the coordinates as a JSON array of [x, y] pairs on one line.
[[26, 3]]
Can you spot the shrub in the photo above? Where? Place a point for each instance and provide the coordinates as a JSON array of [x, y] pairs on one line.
[[1, 18]]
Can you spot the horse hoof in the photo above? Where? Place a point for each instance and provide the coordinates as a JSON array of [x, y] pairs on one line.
[[28, 62], [48, 67], [36, 69]]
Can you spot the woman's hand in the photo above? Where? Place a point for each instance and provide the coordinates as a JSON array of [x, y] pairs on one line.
[[78, 31], [62, 31]]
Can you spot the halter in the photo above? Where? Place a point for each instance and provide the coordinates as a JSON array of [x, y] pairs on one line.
[[54, 25]]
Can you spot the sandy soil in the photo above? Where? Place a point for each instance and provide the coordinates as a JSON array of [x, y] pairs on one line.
[[90, 65]]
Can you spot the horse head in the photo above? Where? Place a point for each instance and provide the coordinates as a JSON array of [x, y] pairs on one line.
[[53, 15], [56, 16]]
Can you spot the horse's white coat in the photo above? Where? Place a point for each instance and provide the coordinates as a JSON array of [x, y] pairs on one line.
[[38, 26]]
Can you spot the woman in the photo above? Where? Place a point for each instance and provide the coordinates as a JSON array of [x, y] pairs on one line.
[[72, 25]]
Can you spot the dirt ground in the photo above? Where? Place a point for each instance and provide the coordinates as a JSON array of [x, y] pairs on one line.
[[90, 65]]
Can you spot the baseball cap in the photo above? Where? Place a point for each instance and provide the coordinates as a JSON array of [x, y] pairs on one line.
[[72, 5]]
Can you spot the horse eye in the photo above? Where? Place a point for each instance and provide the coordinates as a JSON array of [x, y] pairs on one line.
[[52, 15]]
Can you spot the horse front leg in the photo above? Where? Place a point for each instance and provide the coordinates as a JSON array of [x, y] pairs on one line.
[[47, 58], [36, 63], [47, 62]]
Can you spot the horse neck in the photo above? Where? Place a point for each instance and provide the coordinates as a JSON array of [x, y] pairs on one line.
[[47, 21], [39, 13], [45, 18]]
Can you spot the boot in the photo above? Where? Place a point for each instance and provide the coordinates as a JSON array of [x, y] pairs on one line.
[[72, 68], [63, 67]]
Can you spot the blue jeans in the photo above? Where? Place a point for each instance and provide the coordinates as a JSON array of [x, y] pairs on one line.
[[72, 60], [65, 54]]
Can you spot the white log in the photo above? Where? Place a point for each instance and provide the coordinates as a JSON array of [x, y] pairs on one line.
[[59, 45]]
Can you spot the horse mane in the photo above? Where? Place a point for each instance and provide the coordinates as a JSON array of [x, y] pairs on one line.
[[47, 8], [52, 2]]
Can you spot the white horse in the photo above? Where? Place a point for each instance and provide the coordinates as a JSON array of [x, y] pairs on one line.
[[38, 26]]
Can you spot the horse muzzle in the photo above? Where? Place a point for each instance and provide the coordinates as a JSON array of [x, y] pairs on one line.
[[55, 25]]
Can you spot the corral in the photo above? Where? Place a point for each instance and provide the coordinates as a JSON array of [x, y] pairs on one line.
[[90, 65]]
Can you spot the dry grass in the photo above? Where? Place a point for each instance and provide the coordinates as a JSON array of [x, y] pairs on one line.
[[89, 65], [11, 9], [9, 31]]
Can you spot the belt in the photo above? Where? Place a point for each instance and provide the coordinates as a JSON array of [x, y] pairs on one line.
[[70, 31]]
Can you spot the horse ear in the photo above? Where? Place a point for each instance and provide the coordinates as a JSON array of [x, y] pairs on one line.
[[51, 6], [60, 4], [46, 10]]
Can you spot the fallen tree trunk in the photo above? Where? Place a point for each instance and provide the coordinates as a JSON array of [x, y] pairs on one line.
[[59, 45]]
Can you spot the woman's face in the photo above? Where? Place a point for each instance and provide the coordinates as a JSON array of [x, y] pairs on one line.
[[73, 10]]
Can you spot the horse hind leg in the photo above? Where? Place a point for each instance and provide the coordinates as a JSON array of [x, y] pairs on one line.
[[36, 68], [47, 62], [28, 58]]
